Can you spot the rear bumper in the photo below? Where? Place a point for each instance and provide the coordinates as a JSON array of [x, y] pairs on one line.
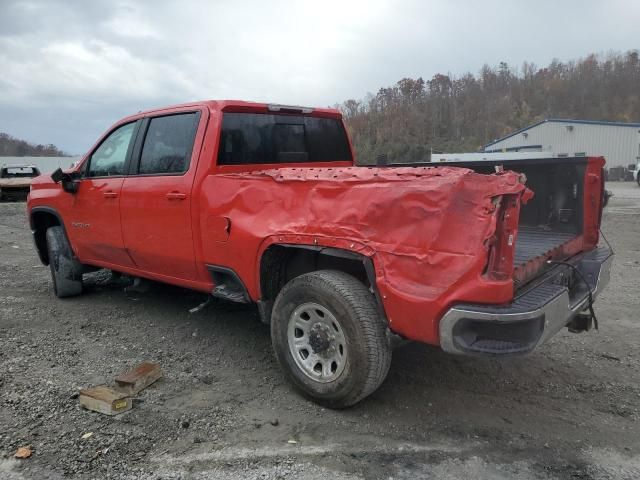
[[536, 314]]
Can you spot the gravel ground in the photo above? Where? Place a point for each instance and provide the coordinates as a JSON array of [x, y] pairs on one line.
[[223, 410]]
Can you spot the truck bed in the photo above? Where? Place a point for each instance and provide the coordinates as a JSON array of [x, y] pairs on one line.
[[552, 219], [534, 242]]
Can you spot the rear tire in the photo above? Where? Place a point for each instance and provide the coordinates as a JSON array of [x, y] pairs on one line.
[[330, 338], [66, 270]]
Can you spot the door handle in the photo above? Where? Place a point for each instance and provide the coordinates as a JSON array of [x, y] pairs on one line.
[[110, 194], [176, 196]]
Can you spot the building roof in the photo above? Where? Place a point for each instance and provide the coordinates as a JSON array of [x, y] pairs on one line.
[[564, 120]]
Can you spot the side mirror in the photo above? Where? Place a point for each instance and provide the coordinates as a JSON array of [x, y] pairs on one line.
[[607, 195], [68, 182], [57, 176]]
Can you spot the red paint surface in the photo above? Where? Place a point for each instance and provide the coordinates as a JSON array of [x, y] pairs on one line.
[[428, 230], [425, 228]]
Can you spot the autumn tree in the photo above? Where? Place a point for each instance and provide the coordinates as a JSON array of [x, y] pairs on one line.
[[459, 114]]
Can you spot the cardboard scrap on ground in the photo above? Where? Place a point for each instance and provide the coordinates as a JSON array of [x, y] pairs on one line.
[[105, 400], [117, 399]]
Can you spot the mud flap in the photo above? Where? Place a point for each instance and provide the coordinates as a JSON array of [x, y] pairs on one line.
[[583, 322]]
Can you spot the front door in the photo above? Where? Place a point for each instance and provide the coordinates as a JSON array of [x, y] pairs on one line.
[[155, 205], [95, 228]]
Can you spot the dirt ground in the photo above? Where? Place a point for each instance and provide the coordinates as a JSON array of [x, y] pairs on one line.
[[223, 409]]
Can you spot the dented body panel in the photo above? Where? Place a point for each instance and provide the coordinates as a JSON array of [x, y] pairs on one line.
[[426, 229]]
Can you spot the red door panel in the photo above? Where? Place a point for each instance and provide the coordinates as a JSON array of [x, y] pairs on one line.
[[155, 207], [94, 227], [156, 224]]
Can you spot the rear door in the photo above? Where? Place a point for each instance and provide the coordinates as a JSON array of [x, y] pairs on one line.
[[155, 207], [95, 228]]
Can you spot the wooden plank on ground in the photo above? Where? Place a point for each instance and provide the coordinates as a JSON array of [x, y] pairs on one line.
[[105, 400], [139, 378]]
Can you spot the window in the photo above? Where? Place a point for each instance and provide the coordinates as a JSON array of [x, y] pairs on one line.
[[249, 138], [168, 144], [110, 157], [19, 172], [581, 154]]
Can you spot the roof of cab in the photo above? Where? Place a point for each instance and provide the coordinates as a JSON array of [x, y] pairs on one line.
[[239, 105]]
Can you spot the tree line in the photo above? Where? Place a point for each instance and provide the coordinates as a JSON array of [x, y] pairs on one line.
[[13, 147], [408, 120]]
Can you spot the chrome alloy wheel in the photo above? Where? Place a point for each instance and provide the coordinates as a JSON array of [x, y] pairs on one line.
[[317, 342]]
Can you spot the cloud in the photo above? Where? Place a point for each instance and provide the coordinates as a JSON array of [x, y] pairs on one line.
[[68, 69]]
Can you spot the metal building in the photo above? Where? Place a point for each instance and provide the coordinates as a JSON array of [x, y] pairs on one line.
[[618, 142]]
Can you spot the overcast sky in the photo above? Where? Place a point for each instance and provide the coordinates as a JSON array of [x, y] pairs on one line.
[[69, 69]]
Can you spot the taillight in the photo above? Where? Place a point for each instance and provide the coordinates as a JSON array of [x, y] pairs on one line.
[[502, 244]]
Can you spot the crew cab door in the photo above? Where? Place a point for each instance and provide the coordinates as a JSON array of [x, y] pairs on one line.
[[156, 201], [94, 214]]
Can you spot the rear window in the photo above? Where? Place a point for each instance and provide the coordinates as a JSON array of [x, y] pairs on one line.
[[249, 138], [19, 172]]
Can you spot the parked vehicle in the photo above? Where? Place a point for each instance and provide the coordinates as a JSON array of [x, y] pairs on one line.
[[15, 180], [262, 204], [635, 171]]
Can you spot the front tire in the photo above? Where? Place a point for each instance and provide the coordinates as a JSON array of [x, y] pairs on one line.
[[330, 338], [66, 270]]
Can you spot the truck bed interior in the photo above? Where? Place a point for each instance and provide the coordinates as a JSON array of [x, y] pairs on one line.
[[535, 242], [553, 217]]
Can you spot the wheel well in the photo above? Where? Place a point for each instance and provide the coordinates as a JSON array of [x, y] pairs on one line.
[[281, 263], [40, 222]]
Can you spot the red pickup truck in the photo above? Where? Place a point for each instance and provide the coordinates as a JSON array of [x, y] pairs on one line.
[[262, 204]]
